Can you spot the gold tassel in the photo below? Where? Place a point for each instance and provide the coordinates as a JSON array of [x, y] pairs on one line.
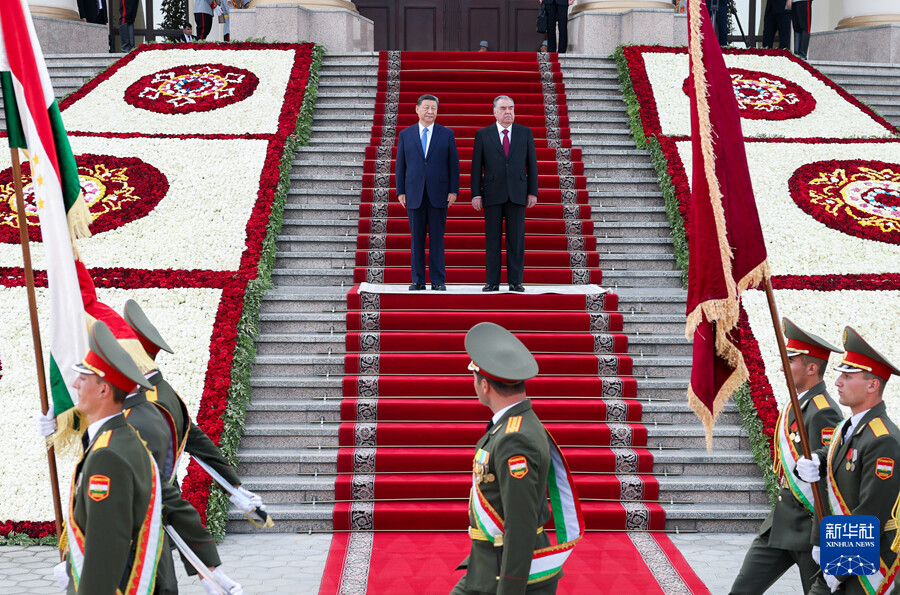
[[79, 218], [63, 540], [894, 518], [134, 349], [67, 439]]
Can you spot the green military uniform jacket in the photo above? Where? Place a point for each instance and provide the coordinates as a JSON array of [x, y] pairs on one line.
[[111, 523], [789, 524], [153, 428], [867, 487], [520, 501], [198, 444]]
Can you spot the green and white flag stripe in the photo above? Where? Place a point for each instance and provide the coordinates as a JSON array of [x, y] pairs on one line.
[[788, 456], [39, 131]]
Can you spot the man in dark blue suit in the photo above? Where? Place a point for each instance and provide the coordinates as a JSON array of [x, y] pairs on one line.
[[427, 177], [504, 184]]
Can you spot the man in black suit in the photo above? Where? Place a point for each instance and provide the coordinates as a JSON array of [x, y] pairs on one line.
[[427, 178], [504, 184], [557, 12], [777, 17]]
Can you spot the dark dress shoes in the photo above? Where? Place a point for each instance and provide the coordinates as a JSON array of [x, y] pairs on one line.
[[490, 287], [518, 287], [438, 287], [417, 287]]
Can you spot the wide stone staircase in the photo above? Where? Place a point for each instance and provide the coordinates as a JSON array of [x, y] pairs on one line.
[[289, 452], [873, 84]]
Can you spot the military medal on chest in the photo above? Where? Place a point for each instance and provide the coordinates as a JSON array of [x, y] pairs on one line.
[[851, 459], [480, 465], [794, 435]]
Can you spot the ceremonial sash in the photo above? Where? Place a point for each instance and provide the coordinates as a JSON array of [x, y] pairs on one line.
[[177, 446], [147, 547], [786, 457], [881, 581], [568, 522]]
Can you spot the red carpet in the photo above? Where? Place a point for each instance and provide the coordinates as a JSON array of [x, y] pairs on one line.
[[410, 418], [425, 564]]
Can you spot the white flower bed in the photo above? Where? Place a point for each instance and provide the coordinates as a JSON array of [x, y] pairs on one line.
[[184, 317], [833, 117], [797, 243], [199, 224], [258, 114]]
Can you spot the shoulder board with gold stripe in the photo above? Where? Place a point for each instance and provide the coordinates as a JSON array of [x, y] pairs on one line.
[[102, 440], [513, 424], [821, 402], [878, 428], [153, 395]]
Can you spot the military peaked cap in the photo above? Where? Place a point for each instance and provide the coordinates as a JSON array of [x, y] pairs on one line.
[[108, 360], [801, 342], [496, 353], [147, 334], [860, 356]]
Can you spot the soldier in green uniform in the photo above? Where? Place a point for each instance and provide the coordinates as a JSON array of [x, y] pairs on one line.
[[783, 538], [859, 464], [113, 527], [189, 438], [508, 505]]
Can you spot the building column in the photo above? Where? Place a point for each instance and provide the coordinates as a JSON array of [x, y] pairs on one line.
[[866, 13], [56, 9], [617, 5], [311, 4]]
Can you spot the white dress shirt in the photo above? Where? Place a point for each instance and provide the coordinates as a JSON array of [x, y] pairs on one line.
[[500, 130], [95, 427], [500, 413]]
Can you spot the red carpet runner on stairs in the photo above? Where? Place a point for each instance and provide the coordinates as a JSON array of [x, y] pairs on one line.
[[409, 415]]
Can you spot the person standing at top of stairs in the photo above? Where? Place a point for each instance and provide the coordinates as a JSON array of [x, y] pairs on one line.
[[427, 178]]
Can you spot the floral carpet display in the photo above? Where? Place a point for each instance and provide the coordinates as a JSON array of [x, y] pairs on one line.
[[410, 418], [826, 175], [182, 151]]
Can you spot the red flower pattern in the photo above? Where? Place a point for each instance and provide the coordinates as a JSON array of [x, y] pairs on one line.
[[764, 96], [190, 89]]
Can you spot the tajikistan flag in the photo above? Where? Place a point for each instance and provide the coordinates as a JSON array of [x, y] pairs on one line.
[[35, 127]]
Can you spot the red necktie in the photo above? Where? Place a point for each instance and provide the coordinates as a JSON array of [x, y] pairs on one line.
[[506, 142]]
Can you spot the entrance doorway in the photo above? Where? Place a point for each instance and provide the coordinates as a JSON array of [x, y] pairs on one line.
[[453, 25]]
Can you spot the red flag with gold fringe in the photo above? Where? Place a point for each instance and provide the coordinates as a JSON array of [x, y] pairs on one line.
[[727, 250]]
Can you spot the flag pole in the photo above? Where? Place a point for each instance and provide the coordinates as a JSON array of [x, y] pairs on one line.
[[795, 402], [36, 333]]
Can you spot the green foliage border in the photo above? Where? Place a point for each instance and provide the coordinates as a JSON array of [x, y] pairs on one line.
[[750, 422], [248, 326]]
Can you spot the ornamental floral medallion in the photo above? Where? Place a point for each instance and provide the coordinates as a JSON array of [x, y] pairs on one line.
[[189, 89], [764, 96], [117, 190], [859, 198]]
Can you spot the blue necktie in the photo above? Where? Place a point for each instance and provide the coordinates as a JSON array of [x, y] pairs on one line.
[[424, 141]]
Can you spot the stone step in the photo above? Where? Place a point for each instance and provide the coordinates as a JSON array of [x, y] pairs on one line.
[[614, 246], [307, 243], [303, 299], [285, 461], [711, 489], [292, 411], [303, 365], [692, 462], [292, 518], [303, 490], [300, 322], [715, 517], [656, 214], [298, 344], [637, 229], [673, 412], [286, 435], [653, 322], [327, 277], [297, 387], [616, 279], [637, 262], [668, 366], [665, 389]]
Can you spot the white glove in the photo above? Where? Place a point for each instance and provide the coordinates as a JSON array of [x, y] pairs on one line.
[[46, 424], [59, 573], [816, 554], [233, 587], [245, 505], [832, 582], [808, 470]]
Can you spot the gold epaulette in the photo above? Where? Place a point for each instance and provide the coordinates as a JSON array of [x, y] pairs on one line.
[[513, 424], [102, 440], [821, 402], [878, 428], [152, 395]]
